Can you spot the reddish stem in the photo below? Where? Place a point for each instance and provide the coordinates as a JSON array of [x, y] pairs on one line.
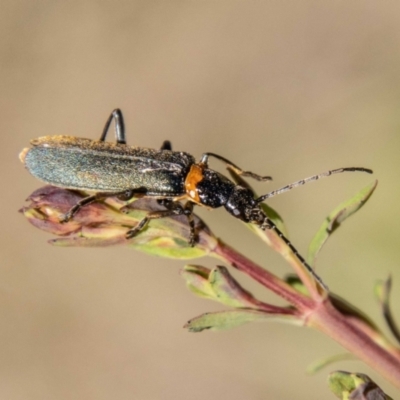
[[266, 278], [323, 316], [385, 360]]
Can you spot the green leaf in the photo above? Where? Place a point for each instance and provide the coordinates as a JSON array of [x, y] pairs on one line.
[[382, 293], [336, 217], [318, 365], [345, 308], [169, 247], [224, 320], [219, 285], [196, 278], [355, 386], [228, 291], [295, 282], [274, 217]]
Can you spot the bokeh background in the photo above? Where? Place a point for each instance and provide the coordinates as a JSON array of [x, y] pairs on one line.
[[287, 89]]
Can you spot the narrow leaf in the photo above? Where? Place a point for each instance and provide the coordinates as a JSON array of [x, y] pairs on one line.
[[318, 365], [228, 291], [295, 282], [274, 217], [230, 319], [224, 320], [219, 285], [196, 278], [382, 293], [336, 217]]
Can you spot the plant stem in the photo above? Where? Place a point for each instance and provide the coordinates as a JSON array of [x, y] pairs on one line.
[[385, 360], [323, 316], [266, 278]]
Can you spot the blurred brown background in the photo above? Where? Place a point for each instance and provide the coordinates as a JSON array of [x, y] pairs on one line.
[[282, 88]]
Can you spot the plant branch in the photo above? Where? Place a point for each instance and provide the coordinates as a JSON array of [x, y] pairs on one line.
[[266, 278], [385, 360]]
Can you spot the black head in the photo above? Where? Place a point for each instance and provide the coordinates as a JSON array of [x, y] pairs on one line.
[[241, 204]]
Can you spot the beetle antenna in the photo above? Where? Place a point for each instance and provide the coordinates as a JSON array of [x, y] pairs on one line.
[[310, 179], [269, 224]]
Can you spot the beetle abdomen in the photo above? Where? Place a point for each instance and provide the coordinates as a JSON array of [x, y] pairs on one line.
[[85, 164]]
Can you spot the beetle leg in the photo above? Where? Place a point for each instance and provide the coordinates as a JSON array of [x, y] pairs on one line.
[[96, 197], [166, 145], [116, 115], [73, 210], [173, 208], [178, 210], [128, 194], [188, 211], [234, 167], [167, 203]]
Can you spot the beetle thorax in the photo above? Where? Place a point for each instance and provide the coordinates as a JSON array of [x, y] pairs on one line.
[[207, 187]]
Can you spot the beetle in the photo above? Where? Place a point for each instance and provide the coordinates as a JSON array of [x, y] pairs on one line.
[[116, 169]]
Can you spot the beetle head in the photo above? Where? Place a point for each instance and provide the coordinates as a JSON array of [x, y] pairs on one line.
[[241, 204]]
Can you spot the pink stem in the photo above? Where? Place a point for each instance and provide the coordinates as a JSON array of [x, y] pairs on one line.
[[385, 360], [323, 316], [266, 278]]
